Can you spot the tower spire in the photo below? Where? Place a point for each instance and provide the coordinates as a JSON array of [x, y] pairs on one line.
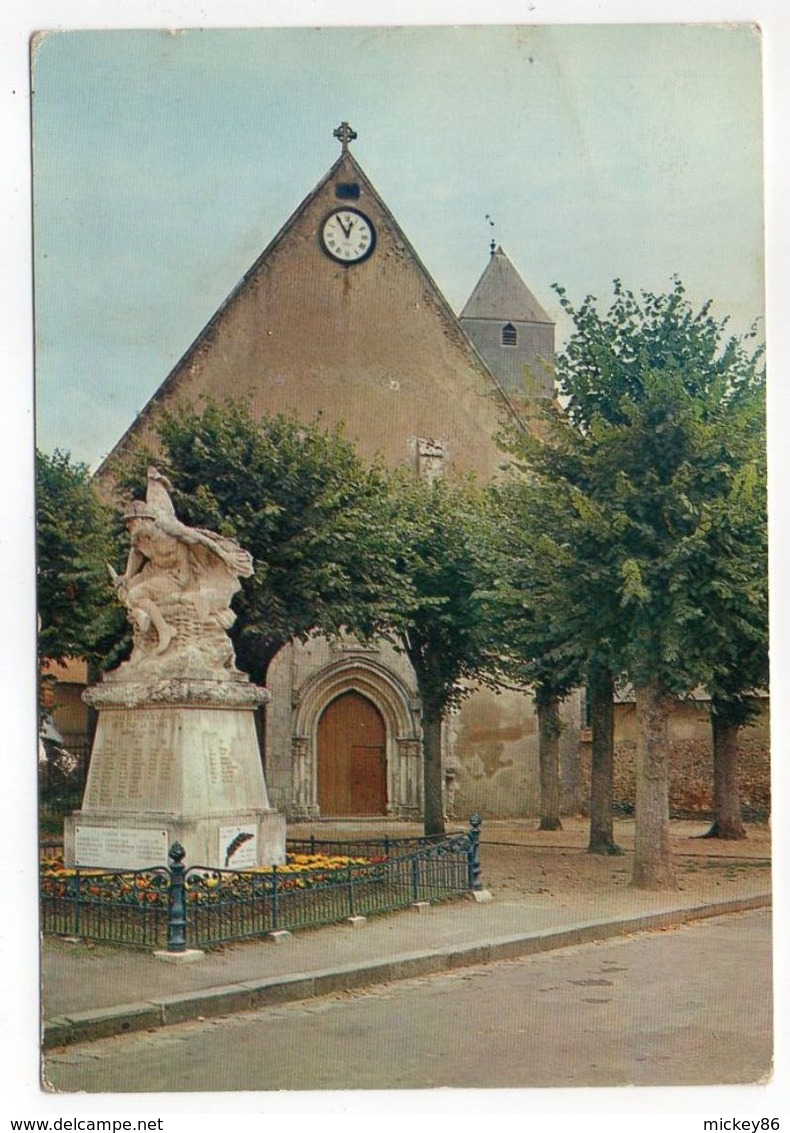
[[344, 135]]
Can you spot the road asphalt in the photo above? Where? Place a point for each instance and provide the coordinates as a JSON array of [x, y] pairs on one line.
[[95, 991], [605, 1014]]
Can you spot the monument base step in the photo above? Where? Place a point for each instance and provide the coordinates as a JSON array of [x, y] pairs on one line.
[[130, 840]]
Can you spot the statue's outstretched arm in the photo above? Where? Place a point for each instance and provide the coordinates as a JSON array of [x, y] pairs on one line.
[[235, 559]]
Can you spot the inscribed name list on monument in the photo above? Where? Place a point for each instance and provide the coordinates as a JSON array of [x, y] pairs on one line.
[[119, 847], [136, 764]]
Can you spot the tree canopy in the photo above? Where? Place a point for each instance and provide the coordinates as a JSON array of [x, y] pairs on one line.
[[316, 520], [76, 536], [656, 438]]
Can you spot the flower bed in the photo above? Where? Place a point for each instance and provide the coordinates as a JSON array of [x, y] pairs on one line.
[[301, 871]]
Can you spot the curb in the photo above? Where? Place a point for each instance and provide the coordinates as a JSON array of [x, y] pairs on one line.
[[165, 1011]]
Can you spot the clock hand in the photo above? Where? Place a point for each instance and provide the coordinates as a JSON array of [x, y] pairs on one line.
[[346, 231]]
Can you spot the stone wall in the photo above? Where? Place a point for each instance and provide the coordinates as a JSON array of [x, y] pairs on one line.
[[496, 751], [70, 713], [691, 763], [691, 779], [490, 754]]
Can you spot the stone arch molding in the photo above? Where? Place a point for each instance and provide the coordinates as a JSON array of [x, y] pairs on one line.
[[399, 709]]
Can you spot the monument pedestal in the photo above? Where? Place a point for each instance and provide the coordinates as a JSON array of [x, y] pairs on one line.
[[175, 759]]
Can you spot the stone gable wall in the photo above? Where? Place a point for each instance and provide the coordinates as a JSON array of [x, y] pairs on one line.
[[372, 345]]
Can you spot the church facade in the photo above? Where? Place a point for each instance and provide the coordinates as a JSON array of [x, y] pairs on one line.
[[338, 316]]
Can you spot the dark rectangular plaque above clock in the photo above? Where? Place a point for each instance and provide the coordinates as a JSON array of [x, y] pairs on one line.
[[347, 191]]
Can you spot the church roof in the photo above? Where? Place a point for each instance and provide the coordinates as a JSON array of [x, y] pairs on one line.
[[502, 294]]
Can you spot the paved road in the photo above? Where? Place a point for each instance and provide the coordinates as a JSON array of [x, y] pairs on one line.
[[688, 1006]]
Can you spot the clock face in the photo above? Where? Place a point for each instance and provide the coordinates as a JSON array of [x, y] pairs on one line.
[[348, 236]]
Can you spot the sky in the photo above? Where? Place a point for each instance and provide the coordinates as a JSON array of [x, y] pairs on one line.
[[164, 163]]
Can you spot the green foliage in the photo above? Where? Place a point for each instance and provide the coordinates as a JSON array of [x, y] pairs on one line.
[[648, 485], [610, 359], [528, 553], [444, 630], [446, 562], [317, 522], [729, 558], [76, 536]]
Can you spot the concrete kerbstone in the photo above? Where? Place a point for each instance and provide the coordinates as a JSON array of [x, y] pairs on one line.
[[482, 896], [57, 1031], [352, 976], [419, 964], [105, 1022], [469, 954], [265, 993], [204, 1003]]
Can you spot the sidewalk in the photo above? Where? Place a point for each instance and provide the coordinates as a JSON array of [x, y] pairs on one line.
[[93, 991]]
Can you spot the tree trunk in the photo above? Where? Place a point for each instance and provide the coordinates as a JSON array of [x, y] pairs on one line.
[[259, 716], [727, 822], [548, 709], [92, 717], [259, 720], [255, 662], [433, 794], [652, 858], [602, 704]]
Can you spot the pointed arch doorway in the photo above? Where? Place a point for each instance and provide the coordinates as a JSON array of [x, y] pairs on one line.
[[352, 763]]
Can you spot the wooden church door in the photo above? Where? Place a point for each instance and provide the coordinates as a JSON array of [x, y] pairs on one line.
[[352, 765]]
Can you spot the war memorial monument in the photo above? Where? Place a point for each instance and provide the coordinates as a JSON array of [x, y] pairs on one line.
[[175, 756]]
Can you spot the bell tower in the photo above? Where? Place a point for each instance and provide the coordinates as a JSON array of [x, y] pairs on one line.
[[511, 330]]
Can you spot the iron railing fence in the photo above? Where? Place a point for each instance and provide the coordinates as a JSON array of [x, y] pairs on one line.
[[385, 846], [198, 907], [224, 905], [128, 908]]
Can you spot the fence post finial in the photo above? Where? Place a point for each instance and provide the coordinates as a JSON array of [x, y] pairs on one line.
[[176, 905]]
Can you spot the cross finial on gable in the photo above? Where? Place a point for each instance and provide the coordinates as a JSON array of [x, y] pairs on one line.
[[344, 135]]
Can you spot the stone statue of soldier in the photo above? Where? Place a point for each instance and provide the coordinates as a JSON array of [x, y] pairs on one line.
[[178, 584]]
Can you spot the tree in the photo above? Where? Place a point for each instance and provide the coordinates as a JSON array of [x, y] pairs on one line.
[[656, 389], [732, 554], [76, 536], [339, 548], [316, 520], [445, 632], [547, 707], [559, 621], [645, 442], [522, 607]]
